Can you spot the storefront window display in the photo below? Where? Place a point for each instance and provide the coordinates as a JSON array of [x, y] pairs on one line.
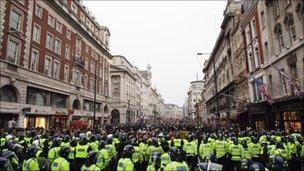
[[34, 122], [292, 121]]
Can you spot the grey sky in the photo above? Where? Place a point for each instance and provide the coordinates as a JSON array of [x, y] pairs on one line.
[[166, 34]]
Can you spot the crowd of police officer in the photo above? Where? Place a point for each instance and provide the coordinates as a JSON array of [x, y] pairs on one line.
[[165, 147]]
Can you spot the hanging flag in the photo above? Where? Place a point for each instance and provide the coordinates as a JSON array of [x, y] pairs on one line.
[[293, 83], [263, 89]]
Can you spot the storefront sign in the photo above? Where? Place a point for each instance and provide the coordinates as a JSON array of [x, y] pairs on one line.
[[60, 113], [8, 110]]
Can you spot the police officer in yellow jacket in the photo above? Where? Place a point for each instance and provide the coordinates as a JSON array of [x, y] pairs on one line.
[[178, 163], [30, 163], [81, 152], [90, 164], [125, 163], [61, 163]]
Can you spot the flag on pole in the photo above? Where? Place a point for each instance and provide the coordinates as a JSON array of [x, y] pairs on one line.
[[294, 83], [263, 89]]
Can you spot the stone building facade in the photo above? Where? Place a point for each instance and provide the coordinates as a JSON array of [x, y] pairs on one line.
[[282, 48], [261, 39], [53, 57], [194, 97], [124, 91]]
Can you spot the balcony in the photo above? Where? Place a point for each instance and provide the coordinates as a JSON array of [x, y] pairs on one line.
[[79, 62]]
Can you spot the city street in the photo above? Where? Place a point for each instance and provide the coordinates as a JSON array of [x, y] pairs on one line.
[[151, 85]]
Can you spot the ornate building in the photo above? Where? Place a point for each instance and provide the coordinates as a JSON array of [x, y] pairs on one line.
[[54, 57]]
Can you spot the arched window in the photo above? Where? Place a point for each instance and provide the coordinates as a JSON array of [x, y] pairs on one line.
[[279, 36], [290, 27], [36, 96], [8, 94], [58, 100]]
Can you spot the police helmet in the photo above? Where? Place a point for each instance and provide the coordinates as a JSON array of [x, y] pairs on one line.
[[66, 138], [56, 142], [92, 157], [278, 160], [31, 151], [176, 154], [133, 142], [73, 142], [102, 144], [128, 151], [156, 158], [64, 152], [255, 166]]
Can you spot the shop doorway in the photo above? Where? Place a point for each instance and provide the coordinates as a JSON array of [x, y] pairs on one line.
[[115, 118], [76, 104], [35, 122], [292, 121], [259, 123]]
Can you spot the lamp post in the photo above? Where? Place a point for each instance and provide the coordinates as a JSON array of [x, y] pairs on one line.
[[95, 86], [128, 112], [215, 87]]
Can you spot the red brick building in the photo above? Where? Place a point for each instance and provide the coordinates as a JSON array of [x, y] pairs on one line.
[[51, 52]]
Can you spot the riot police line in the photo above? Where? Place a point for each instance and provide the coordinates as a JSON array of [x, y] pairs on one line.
[[151, 148]]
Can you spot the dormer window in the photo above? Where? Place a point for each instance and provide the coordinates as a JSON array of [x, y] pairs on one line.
[[74, 7]]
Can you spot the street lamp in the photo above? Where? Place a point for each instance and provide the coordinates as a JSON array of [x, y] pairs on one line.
[[216, 91]]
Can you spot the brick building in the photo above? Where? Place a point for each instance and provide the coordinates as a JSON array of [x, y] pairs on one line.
[[53, 57]]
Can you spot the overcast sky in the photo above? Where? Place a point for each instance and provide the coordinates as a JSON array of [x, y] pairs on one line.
[[167, 35]]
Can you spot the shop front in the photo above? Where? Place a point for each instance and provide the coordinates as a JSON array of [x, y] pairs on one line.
[[36, 121], [8, 113], [285, 114]]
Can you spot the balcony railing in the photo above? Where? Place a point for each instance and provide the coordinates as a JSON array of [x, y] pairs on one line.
[[79, 62]]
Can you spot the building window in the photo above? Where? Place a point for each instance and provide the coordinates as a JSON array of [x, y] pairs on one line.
[[57, 48], [82, 17], [276, 8], [284, 83], [270, 83], [266, 49], [85, 82], [251, 61], [36, 96], [58, 100], [59, 27], [256, 92], [292, 30], [279, 37], [86, 64], [67, 52], [256, 57], [13, 49], [36, 33], [51, 21], [74, 7], [34, 60], [263, 19], [56, 69], [66, 73], [48, 66], [77, 77], [78, 44], [293, 70], [100, 72], [49, 41], [38, 10], [253, 29], [15, 20], [92, 67], [91, 84], [248, 35], [68, 34], [87, 49], [8, 94]]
